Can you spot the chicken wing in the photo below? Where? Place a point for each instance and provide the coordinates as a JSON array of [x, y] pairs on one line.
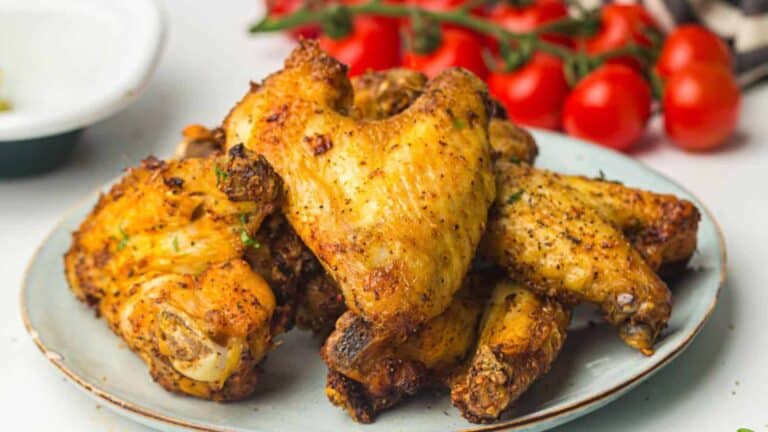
[[393, 208], [544, 235], [520, 336], [161, 259], [661, 227], [368, 374]]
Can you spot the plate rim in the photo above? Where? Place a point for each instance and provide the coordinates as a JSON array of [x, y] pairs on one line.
[[585, 405]]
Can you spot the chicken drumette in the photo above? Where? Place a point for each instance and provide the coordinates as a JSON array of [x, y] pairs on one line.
[[162, 259]]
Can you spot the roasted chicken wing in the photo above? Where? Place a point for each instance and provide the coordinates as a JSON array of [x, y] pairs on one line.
[[392, 208], [546, 236], [161, 259], [368, 374], [520, 336], [663, 228]]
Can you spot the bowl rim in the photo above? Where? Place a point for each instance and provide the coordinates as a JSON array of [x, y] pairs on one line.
[[147, 415], [152, 39]]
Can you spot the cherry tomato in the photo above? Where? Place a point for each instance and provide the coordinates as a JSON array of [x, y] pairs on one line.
[[532, 95], [373, 44], [691, 44], [278, 8], [621, 24], [701, 106], [526, 19], [459, 48], [610, 106]]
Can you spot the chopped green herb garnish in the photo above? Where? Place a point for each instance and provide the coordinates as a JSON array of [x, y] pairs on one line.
[[458, 123], [176, 244], [247, 240], [515, 160], [244, 236], [123, 238], [744, 430], [602, 175], [221, 175], [515, 197]]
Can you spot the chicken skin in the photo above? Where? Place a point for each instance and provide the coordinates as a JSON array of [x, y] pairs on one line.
[[368, 374], [661, 227], [392, 208], [544, 235], [520, 336], [161, 258], [381, 94]]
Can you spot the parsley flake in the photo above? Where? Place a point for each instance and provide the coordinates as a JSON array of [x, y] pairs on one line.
[[247, 240], [458, 123], [515, 197], [221, 175], [123, 238], [515, 160], [602, 175], [176, 244]]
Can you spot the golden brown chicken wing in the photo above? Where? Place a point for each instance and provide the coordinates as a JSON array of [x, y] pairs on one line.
[[546, 236], [393, 208], [161, 258], [368, 374], [661, 227], [520, 336]]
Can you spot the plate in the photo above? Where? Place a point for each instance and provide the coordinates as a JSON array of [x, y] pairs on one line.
[[594, 368]]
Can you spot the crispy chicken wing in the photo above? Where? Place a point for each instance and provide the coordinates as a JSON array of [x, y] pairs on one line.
[[661, 227], [305, 292], [161, 259], [545, 235], [367, 373], [392, 208], [520, 336]]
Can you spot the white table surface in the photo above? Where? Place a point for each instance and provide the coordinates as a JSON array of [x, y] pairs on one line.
[[718, 384]]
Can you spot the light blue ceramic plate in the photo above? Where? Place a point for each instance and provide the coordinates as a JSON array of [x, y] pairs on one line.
[[594, 368]]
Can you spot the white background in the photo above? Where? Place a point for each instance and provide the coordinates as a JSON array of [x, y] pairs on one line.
[[719, 384]]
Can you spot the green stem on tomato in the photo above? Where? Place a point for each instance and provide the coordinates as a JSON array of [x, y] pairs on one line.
[[459, 17], [577, 63]]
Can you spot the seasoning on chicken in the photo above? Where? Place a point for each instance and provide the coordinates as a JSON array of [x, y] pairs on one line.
[[160, 257]]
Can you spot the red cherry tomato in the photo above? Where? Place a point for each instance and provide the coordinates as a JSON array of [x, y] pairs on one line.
[[610, 106], [691, 44], [526, 19], [278, 8], [701, 106], [459, 48], [373, 44], [532, 95], [621, 24]]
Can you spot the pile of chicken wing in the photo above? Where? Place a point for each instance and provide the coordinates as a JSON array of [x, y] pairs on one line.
[[400, 219]]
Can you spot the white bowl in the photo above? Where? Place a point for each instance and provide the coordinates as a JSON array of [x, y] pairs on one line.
[[66, 64]]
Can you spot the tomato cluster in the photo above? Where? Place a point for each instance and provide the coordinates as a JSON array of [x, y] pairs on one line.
[[609, 102]]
